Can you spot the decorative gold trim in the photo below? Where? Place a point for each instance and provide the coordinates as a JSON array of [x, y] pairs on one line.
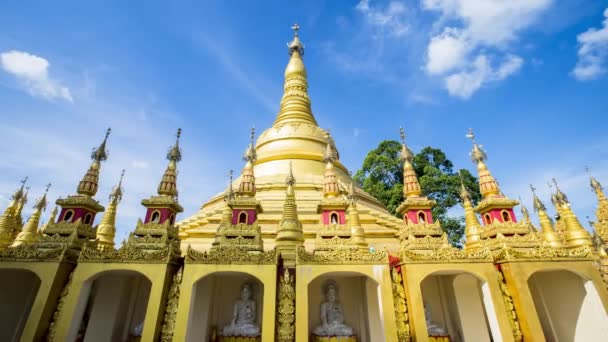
[[230, 255], [286, 308], [342, 256]]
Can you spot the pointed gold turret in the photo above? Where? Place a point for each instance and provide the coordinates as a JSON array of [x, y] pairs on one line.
[[411, 186], [247, 185], [575, 235], [106, 230], [602, 207], [9, 225], [525, 214], [472, 226], [331, 188], [20, 205], [295, 104], [90, 182], [357, 233], [29, 233], [487, 184], [546, 225], [168, 184], [226, 219], [52, 219], [289, 235]]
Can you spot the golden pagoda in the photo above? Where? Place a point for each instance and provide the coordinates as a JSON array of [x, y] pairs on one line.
[[294, 250]]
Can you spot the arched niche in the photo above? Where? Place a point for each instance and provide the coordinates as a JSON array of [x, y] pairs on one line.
[[358, 295], [18, 289], [212, 303], [458, 304], [568, 306], [111, 307]]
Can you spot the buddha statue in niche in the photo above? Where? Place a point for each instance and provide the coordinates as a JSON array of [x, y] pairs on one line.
[[432, 328], [332, 317], [243, 316]]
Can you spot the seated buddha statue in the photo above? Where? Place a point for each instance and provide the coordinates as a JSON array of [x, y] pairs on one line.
[[332, 317], [243, 316]]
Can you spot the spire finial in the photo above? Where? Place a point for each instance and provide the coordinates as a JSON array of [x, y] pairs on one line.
[[478, 155], [471, 135], [100, 154], [290, 180], [41, 203], [559, 195], [19, 193], [538, 205], [175, 153], [116, 194], [402, 134], [406, 153], [252, 136], [250, 154], [228, 195], [295, 44], [295, 29]]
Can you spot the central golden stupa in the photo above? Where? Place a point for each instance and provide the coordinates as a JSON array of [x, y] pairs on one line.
[[294, 139]]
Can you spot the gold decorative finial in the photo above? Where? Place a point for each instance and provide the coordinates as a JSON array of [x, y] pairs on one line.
[[295, 45], [228, 194], [116, 194], [559, 195], [290, 180], [100, 154], [42, 202], [175, 153], [478, 155], [250, 154], [406, 154]]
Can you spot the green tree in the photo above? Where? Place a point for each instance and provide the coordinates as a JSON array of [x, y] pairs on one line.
[[382, 177]]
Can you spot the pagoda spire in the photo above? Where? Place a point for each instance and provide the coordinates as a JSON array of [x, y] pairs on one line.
[[548, 232], [354, 223], [247, 185], [331, 189], [411, 186], [575, 235], [8, 220], [52, 218], [20, 205], [295, 104], [168, 184], [289, 235], [525, 214], [602, 208], [472, 227], [106, 230], [90, 182], [29, 233], [487, 184]]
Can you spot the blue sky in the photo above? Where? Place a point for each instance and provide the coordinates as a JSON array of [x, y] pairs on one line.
[[528, 75]]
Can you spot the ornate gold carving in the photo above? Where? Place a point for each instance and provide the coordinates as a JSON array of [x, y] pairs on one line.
[[230, 255], [428, 242], [447, 255], [80, 201], [495, 202], [511, 313], [504, 228], [344, 256], [50, 334], [244, 236], [32, 253], [128, 253], [401, 314], [286, 308], [166, 333], [545, 253]]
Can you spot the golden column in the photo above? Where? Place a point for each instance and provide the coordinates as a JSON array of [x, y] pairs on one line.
[[106, 230], [289, 235]]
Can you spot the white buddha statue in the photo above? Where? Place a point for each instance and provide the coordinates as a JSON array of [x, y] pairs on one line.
[[243, 316], [332, 318]]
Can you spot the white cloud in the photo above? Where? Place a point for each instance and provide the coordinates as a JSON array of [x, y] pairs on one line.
[[465, 83], [459, 52], [592, 52], [446, 51], [390, 19], [33, 72]]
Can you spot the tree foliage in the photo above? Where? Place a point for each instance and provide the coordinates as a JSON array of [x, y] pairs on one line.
[[382, 177]]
